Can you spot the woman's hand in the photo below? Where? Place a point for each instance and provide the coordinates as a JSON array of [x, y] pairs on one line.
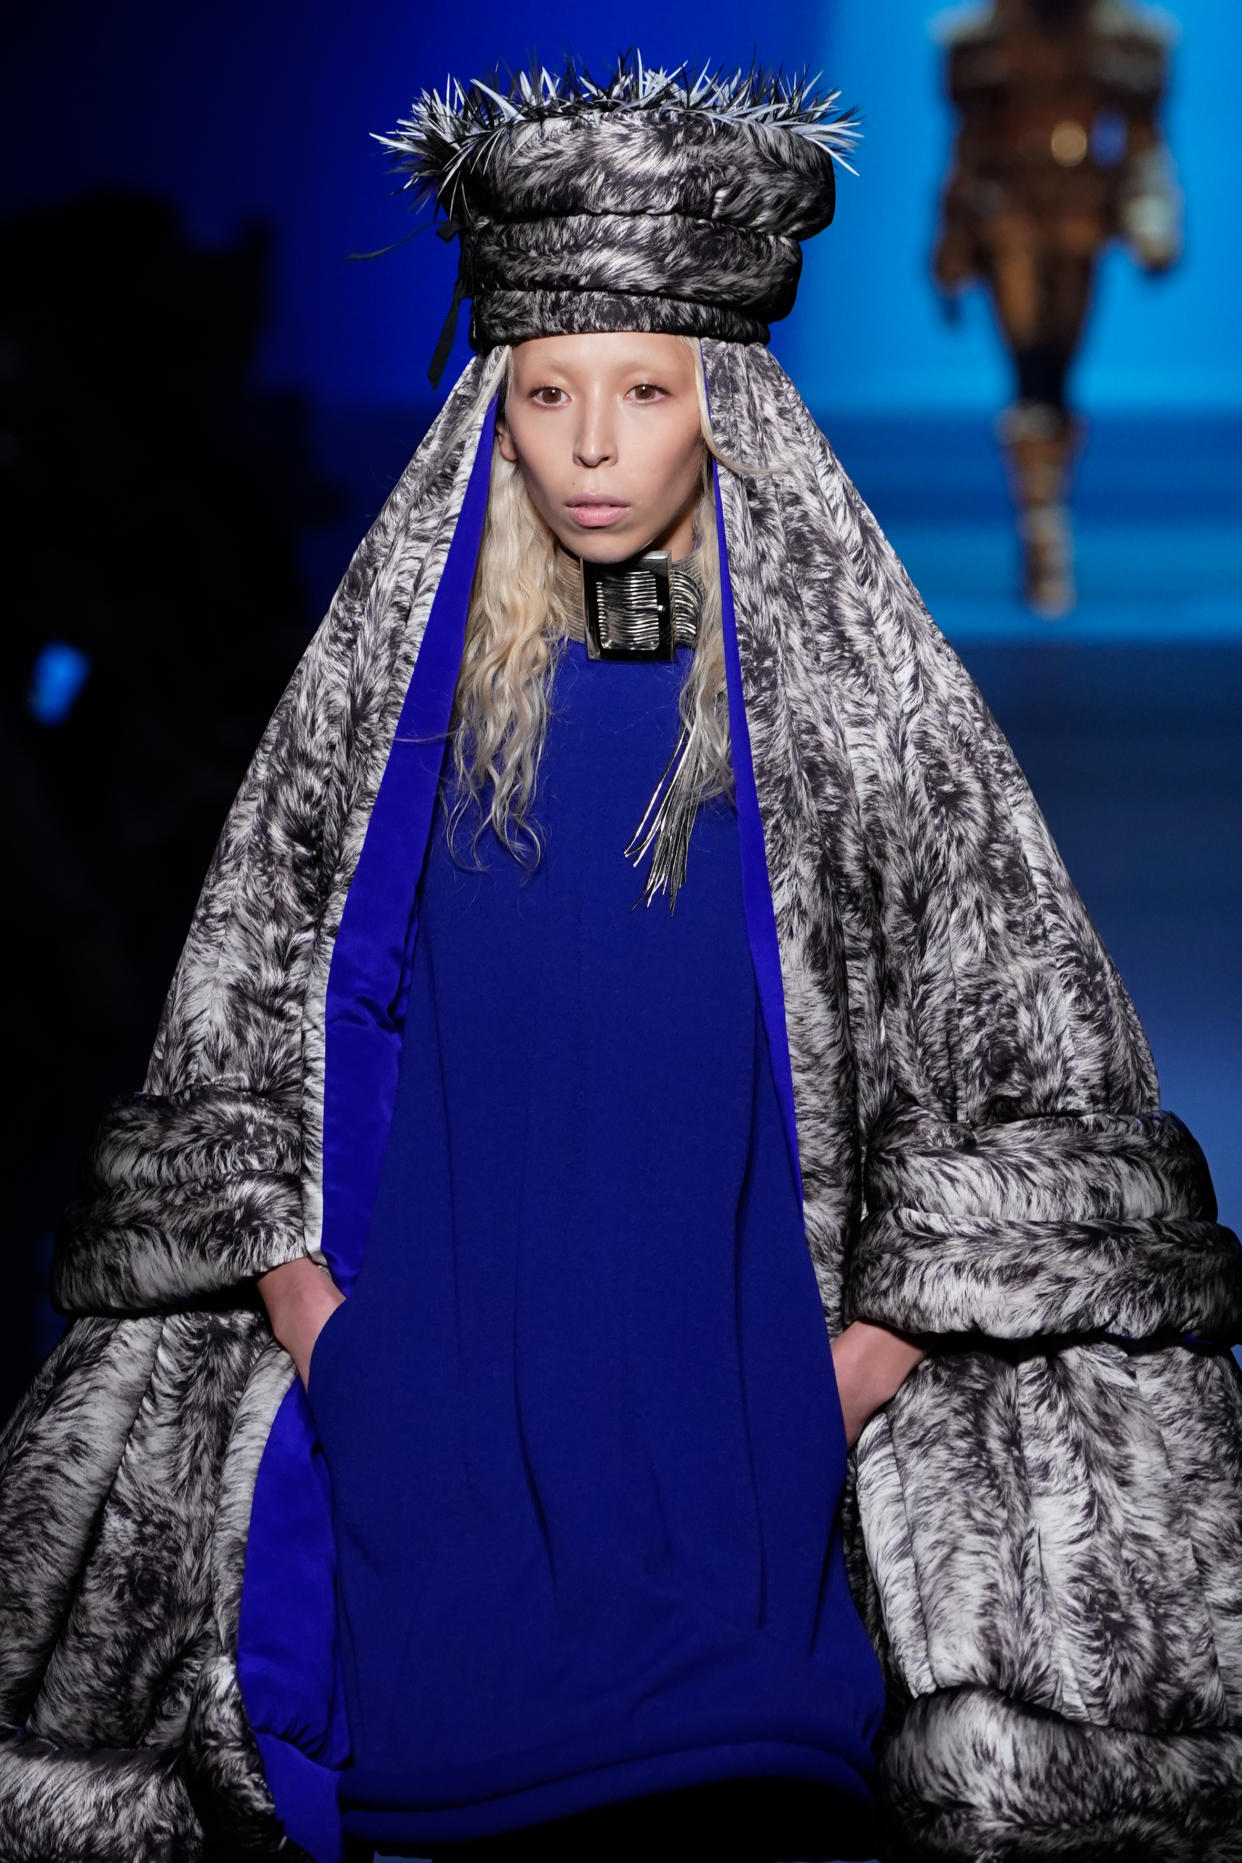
[[299, 1296], [871, 1363]]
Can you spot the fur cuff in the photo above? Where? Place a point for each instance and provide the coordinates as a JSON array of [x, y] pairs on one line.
[[184, 1196], [970, 1774], [1074, 1223]]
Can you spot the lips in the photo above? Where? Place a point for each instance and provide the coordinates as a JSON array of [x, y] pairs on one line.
[[595, 512]]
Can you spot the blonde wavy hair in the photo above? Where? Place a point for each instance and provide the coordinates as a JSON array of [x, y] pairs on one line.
[[514, 638]]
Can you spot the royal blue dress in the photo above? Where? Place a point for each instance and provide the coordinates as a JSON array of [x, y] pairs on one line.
[[579, 1413]]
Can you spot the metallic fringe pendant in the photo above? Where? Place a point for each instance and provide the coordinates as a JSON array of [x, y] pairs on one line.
[[643, 609], [668, 827]]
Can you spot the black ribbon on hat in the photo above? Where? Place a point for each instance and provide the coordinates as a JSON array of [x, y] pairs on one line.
[[461, 289]]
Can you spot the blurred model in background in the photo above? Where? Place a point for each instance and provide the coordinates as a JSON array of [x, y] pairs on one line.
[[1058, 152]]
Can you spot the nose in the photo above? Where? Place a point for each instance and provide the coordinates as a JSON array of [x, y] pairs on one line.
[[595, 440]]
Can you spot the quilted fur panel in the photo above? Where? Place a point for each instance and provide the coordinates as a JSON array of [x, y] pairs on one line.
[[654, 163], [60, 1805], [923, 1274], [112, 1636], [234, 1011], [390, 625], [139, 1612], [1075, 1569], [1071, 1223], [184, 1194], [513, 316], [1002, 1003], [1081, 1569], [1205, 1475], [218, 1130], [962, 1588], [209, 1176], [1082, 1164], [829, 967], [756, 272], [231, 1795], [58, 1461], [231, 1800], [124, 1256], [973, 1776]]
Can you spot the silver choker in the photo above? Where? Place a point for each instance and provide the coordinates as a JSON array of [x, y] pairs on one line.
[[641, 609]]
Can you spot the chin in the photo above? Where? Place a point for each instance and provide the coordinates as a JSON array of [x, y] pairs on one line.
[[602, 546]]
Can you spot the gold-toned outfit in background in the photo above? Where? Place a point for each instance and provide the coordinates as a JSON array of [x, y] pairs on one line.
[[1058, 152]]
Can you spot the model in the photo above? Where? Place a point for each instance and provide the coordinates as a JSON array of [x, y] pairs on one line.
[[648, 1282], [1059, 153]]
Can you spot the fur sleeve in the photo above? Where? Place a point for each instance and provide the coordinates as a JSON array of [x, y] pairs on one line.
[[196, 1183], [1021, 1178]]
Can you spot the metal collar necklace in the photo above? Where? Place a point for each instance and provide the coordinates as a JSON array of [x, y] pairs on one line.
[[643, 608]]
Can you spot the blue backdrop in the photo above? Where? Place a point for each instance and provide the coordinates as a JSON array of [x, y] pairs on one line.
[[1160, 344], [233, 109]]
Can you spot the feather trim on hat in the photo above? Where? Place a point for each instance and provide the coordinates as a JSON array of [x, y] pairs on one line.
[[445, 139]]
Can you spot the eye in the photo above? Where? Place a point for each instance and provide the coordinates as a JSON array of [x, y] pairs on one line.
[[647, 391], [546, 388]]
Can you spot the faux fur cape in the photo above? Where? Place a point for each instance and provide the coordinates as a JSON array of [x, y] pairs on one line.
[[1046, 1524]]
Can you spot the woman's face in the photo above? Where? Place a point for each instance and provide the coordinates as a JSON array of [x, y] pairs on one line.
[[604, 427]]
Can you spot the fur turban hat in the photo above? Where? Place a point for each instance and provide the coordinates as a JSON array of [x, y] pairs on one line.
[[652, 201]]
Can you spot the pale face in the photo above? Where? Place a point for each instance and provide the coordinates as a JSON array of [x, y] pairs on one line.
[[604, 427]]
